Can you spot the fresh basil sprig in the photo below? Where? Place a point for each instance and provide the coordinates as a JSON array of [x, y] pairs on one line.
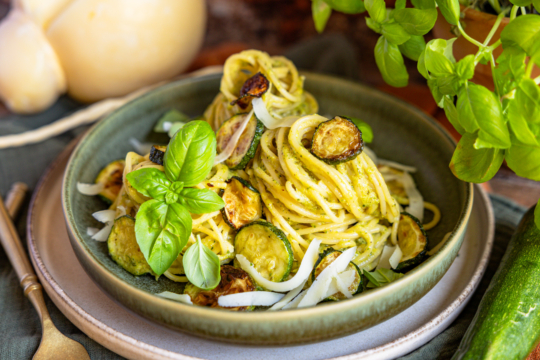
[[163, 223], [202, 266], [381, 277]]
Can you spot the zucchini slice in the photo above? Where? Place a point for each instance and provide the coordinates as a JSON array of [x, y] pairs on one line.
[[157, 153], [413, 242], [337, 140], [111, 178], [267, 248], [124, 249], [243, 203], [233, 281], [255, 86], [247, 144], [325, 259]]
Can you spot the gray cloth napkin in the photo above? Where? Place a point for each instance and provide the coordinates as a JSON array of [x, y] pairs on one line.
[[20, 329]]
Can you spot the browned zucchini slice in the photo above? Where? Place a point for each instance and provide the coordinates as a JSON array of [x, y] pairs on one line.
[[111, 178], [243, 203], [247, 144], [337, 140], [124, 249], [233, 281], [413, 242], [255, 86], [157, 153]]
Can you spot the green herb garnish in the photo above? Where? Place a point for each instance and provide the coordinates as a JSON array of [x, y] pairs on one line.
[[381, 277], [202, 266], [163, 224]]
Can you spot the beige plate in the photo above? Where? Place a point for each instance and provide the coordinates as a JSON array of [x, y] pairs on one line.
[[116, 328]]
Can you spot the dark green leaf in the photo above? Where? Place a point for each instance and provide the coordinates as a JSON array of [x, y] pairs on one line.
[[367, 132], [376, 9], [424, 4], [465, 68], [528, 97], [437, 95], [172, 116], [521, 2], [200, 201], [478, 108], [524, 31], [373, 25], [416, 21], [537, 208], [390, 63], [475, 165], [381, 277], [510, 69], [162, 231], [524, 160], [202, 266], [413, 47], [190, 154], [395, 33], [452, 114], [436, 58], [450, 10], [150, 182], [400, 4], [448, 85], [347, 6], [320, 11]]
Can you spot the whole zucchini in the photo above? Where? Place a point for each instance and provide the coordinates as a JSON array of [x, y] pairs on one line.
[[507, 323]]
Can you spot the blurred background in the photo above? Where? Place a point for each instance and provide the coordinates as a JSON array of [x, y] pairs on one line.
[[345, 48]]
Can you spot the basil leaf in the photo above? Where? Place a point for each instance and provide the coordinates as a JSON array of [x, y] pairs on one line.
[[475, 165], [520, 130], [162, 231], [381, 277], [510, 69], [172, 117], [478, 108], [524, 31], [452, 114], [321, 13], [528, 97], [437, 61], [448, 85], [150, 182], [450, 10], [524, 160], [465, 68], [400, 4], [373, 25], [390, 63], [395, 33], [413, 47], [367, 132], [437, 95], [537, 208], [536, 4], [376, 9], [190, 154], [347, 6], [521, 2], [201, 266], [416, 21], [200, 201], [424, 4]]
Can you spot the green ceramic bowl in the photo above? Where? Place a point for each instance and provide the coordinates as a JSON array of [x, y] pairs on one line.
[[402, 133]]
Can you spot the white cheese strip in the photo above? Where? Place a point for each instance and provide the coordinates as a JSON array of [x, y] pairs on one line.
[[89, 189], [183, 298], [416, 201], [343, 281], [395, 259], [250, 298], [302, 274], [384, 262], [268, 120], [288, 297], [294, 304], [318, 289], [233, 141], [104, 216], [103, 234], [91, 231]]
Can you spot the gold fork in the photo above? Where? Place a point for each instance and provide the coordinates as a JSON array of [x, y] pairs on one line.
[[54, 345]]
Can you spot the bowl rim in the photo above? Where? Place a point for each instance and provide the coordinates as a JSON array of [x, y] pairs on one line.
[[262, 316]]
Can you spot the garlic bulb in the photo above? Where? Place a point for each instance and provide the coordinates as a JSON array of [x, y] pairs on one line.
[[31, 77], [110, 48]]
